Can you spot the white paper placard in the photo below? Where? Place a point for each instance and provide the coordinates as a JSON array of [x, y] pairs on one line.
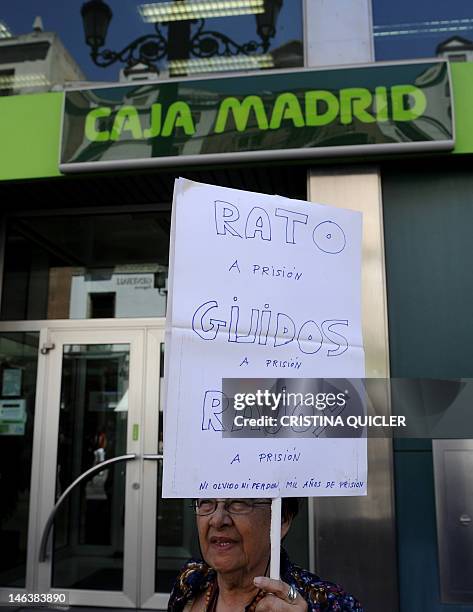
[[260, 287]]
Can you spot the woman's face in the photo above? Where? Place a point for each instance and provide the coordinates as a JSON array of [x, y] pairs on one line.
[[237, 542]]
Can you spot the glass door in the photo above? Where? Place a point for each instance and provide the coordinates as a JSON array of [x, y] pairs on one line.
[[99, 387], [169, 536], [18, 368], [81, 422]]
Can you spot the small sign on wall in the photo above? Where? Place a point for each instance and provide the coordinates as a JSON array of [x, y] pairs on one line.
[[11, 382], [12, 417]]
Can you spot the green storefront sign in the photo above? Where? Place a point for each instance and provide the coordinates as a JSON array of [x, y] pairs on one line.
[[301, 114]]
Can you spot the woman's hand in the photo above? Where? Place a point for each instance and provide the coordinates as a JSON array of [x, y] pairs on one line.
[[276, 599]]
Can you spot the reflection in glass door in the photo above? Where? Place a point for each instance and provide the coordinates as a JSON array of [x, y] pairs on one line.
[[89, 528], [113, 541]]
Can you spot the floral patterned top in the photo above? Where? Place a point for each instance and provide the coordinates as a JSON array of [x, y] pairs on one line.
[[195, 577]]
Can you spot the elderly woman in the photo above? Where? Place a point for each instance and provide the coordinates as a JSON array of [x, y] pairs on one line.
[[234, 537]]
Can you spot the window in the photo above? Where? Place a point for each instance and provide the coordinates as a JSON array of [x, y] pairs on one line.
[[7, 79], [407, 30], [101, 305], [86, 266], [209, 40]]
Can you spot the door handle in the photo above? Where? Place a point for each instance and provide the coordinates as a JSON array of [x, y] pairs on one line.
[[153, 457], [49, 523]]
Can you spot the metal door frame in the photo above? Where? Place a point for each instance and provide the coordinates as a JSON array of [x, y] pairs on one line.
[[153, 332], [144, 337], [48, 462], [372, 518]]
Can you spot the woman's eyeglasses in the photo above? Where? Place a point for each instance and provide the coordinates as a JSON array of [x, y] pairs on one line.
[[204, 507]]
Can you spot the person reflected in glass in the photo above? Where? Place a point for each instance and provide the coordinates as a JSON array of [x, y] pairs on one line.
[[234, 536]]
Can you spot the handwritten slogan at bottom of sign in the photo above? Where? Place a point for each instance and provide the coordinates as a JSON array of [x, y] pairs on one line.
[[260, 287]]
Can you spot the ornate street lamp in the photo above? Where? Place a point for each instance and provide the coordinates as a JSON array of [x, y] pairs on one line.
[[151, 48], [266, 22], [96, 16]]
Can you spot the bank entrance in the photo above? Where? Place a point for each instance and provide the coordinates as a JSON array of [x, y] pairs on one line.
[[94, 531], [83, 301]]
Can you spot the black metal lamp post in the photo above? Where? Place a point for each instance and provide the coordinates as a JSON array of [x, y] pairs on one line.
[[266, 22], [96, 16], [181, 43]]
